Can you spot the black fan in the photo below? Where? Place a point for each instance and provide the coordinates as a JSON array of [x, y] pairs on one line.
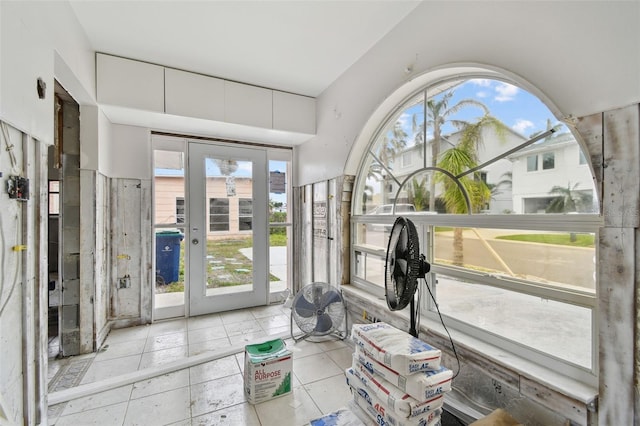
[[403, 266]]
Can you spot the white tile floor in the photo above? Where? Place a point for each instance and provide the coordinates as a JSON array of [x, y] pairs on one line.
[[205, 394]]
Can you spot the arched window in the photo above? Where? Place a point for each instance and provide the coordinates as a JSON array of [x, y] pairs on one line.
[[503, 199]]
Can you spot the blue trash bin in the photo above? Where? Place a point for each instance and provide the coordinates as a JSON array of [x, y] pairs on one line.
[[168, 256]]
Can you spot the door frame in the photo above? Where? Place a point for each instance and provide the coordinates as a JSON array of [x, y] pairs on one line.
[[200, 300]]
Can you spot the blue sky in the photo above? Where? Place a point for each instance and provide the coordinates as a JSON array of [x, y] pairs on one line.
[[514, 106]]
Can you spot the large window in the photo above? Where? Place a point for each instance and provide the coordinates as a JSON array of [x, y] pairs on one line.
[[245, 214], [512, 252], [548, 161], [218, 214], [179, 209]]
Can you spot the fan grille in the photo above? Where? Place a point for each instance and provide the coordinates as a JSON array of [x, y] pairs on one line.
[[318, 309], [402, 265]]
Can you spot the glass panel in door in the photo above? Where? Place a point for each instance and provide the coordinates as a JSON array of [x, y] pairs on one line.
[[279, 229], [228, 228], [169, 232]]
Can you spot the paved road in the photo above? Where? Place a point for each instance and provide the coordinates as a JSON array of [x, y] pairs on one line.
[[563, 264], [571, 265]]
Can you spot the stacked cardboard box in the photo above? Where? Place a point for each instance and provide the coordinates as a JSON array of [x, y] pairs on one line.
[[397, 379]]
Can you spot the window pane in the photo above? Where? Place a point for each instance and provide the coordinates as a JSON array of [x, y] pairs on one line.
[[278, 269], [481, 150], [54, 203], [582, 159], [245, 215], [218, 214], [548, 160], [555, 328], [179, 210], [563, 260], [278, 191], [168, 186], [279, 236], [245, 206]]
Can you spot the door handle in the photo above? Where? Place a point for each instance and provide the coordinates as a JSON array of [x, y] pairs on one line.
[[195, 241]]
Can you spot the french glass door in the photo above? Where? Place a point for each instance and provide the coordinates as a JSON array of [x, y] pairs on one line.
[[228, 222]]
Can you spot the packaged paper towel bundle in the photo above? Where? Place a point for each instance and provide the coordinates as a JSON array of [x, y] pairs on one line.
[[397, 379]]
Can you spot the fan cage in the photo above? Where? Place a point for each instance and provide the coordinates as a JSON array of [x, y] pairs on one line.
[[318, 309], [402, 265]]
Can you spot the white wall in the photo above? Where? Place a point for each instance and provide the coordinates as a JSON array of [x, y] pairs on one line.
[[32, 45], [582, 56], [129, 152], [95, 138]]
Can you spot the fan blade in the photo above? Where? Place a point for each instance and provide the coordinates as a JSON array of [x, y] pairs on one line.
[[403, 240], [304, 308], [400, 275], [328, 298], [400, 268], [324, 324]]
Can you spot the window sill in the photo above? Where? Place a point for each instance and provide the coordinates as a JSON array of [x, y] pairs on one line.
[[561, 394]]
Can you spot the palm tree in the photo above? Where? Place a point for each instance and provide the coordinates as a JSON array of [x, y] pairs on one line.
[[506, 182], [418, 194], [457, 160], [567, 200], [394, 142], [440, 113]]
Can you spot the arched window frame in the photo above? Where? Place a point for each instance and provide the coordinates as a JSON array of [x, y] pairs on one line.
[[582, 223]]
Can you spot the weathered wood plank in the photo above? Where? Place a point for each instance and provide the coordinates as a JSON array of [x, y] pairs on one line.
[[616, 260], [88, 265], [621, 153], [146, 262], [41, 195], [345, 228], [616, 316], [576, 411]]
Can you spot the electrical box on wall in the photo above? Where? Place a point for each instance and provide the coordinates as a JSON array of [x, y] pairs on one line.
[[18, 188], [124, 282]]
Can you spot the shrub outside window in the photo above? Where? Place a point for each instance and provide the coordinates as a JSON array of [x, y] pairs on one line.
[[512, 252]]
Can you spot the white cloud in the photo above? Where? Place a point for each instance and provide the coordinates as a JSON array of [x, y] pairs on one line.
[[482, 82], [506, 92], [405, 121], [522, 125], [482, 94]]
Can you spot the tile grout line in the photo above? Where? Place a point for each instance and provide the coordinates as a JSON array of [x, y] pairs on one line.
[[129, 378]]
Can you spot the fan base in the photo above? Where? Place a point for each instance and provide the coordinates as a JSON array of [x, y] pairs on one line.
[[313, 335]]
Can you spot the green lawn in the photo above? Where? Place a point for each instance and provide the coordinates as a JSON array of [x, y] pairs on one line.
[[228, 251], [581, 240]]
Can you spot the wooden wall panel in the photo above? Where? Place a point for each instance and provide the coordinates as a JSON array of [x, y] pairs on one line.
[[617, 313]]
